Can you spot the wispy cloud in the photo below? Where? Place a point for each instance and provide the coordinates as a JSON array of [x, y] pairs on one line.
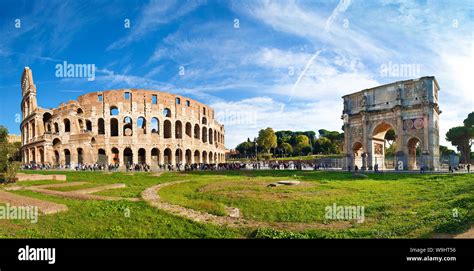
[[152, 16]]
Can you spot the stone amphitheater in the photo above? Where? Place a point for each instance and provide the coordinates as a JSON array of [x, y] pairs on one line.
[[124, 127]]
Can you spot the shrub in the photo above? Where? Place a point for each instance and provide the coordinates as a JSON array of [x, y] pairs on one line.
[[12, 170]]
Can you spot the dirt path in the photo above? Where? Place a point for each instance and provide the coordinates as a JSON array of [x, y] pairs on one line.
[[151, 196], [45, 207], [469, 234]]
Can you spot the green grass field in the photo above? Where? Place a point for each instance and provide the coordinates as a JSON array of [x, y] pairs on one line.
[[396, 205]]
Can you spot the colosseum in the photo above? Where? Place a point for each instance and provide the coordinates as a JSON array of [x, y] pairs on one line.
[[119, 127]]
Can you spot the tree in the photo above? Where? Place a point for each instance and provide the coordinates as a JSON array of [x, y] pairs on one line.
[[8, 151], [245, 148], [460, 137], [286, 148], [443, 150], [324, 145], [302, 145], [469, 122], [267, 139]]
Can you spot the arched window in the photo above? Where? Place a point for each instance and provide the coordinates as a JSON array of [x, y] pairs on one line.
[[114, 111], [167, 129], [210, 136], [141, 123], [178, 129], [101, 126], [155, 128], [188, 129], [114, 127], [88, 125], [204, 134], [167, 113], [81, 125], [67, 125], [204, 121], [196, 131], [56, 128], [127, 126], [79, 111], [56, 142], [46, 119]]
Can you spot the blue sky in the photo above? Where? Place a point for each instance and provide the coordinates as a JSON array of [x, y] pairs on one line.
[[282, 64]]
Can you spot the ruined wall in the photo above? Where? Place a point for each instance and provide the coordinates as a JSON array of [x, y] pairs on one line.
[[120, 126]]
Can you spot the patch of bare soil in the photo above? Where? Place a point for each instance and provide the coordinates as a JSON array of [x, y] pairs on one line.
[[150, 195], [45, 207]]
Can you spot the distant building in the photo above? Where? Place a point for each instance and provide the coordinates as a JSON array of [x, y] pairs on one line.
[[14, 138]]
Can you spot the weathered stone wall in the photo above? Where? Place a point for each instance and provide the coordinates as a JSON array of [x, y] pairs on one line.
[[120, 126]]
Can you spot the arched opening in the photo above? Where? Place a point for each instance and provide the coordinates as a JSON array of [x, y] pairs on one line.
[[81, 125], [80, 156], [167, 113], [56, 143], [67, 157], [79, 111], [204, 134], [357, 151], [167, 128], [141, 156], [188, 157], [41, 151], [211, 158], [155, 128], [101, 157], [93, 141], [155, 156], [167, 156], [380, 134], [204, 121], [197, 157], [115, 156], [178, 129], [196, 131], [215, 158], [179, 156], [46, 119], [33, 156], [101, 126], [127, 156], [189, 129], [204, 157], [56, 128], [414, 153], [88, 125], [114, 127], [127, 126], [114, 111], [210, 136], [67, 125], [56, 158], [141, 123]]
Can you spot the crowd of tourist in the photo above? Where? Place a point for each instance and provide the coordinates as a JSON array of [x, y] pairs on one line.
[[275, 165]]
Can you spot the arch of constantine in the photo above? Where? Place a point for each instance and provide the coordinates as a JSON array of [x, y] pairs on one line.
[[126, 126], [408, 107]]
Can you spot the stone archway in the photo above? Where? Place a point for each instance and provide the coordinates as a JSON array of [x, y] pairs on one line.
[[408, 107]]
